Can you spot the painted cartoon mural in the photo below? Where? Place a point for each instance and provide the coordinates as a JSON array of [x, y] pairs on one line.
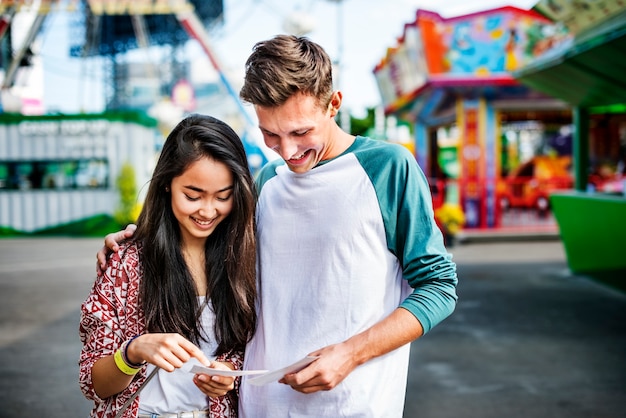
[[490, 43], [498, 43]]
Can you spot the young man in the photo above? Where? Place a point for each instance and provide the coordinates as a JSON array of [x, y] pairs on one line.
[[351, 264]]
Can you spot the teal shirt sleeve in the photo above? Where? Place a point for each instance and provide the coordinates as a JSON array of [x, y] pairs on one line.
[[267, 172], [412, 233]]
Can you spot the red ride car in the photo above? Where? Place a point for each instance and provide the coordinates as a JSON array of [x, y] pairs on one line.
[[530, 184]]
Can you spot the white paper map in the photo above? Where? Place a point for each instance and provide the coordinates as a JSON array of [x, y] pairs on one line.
[[219, 372], [274, 375], [260, 377]]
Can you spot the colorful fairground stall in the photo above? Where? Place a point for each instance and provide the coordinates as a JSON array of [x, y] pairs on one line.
[[485, 141], [589, 73]]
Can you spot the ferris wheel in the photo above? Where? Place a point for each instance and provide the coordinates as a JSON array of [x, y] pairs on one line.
[[111, 28]]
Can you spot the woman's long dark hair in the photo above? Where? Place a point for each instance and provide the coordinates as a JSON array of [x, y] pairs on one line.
[[168, 292]]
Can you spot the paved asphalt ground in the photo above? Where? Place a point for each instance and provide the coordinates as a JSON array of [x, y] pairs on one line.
[[528, 338]]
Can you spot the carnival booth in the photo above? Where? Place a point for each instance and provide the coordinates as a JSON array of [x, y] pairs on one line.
[[474, 124], [59, 169], [588, 73]]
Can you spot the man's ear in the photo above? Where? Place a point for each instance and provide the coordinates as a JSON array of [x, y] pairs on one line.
[[335, 103]]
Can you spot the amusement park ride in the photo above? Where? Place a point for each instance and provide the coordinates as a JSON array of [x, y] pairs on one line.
[[113, 27]]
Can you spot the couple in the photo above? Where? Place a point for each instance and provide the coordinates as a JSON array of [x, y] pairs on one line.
[[351, 266]]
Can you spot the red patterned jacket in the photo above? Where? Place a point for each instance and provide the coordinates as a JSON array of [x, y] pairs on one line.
[[110, 315]]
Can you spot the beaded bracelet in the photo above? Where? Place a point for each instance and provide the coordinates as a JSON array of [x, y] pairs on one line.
[[121, 364], [124, 349]]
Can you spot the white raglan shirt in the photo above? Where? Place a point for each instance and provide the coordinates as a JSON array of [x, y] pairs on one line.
[[327, 273]]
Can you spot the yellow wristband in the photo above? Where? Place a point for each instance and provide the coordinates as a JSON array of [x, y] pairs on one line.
[[121, 364]]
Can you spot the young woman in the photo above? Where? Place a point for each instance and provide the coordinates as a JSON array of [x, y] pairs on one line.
[[182, 289]]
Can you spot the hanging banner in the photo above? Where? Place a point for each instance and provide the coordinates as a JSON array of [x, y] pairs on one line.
[[101, 7], [139, 7]]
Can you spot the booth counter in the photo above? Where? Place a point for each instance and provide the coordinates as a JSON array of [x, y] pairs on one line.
[[592, 229]]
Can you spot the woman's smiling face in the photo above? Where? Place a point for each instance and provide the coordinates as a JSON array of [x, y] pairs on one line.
[[202, 197]]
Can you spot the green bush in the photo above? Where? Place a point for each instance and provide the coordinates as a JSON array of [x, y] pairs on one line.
[[128, 208]]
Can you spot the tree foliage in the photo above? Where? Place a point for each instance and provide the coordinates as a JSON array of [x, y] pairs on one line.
[[128, 207]]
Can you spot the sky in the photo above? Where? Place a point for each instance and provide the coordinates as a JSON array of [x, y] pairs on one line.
[[356, 33]]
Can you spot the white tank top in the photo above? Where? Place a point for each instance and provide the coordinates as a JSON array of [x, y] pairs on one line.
[[175, 392]]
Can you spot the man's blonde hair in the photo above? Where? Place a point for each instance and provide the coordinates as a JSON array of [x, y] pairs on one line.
[[286, 65]]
